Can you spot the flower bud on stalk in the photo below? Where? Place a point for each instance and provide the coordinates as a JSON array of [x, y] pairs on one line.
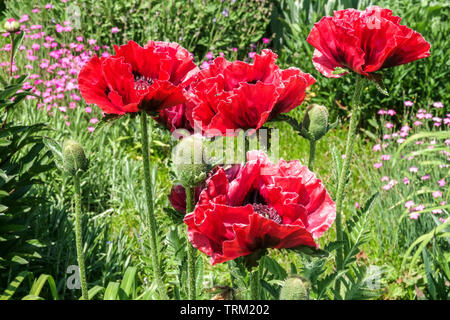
[[295, 288], [314, 127], [75, 162], [11, 25], [189, 161], [315, 121], [74, 158]]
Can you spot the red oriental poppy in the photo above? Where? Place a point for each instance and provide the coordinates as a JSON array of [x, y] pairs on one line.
[[174, 118], [265, 205], [364, 42], [135, 78], [238, 95]]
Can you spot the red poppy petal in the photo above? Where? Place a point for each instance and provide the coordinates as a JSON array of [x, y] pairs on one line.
[[293, 91], [93, 87], [262, 233], [256, 99]]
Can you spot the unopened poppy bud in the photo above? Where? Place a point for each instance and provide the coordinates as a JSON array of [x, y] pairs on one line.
[[11, 25], [295, 288], [315, 121], [189, 161], [74, 158]]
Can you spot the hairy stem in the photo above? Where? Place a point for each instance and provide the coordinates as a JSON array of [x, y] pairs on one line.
[[79, 237], [150, 211], [312, 154], [254, 284], [191, 250], [356, 110]]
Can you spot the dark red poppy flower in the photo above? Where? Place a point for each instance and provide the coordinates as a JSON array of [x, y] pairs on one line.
[[364, 42], [135, 78], [265, 205], [174, 118], [238, 95]]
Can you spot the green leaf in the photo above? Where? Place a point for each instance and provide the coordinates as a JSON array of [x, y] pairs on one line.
[[112, 291], [39, 284], [128, 284], [14, 285]]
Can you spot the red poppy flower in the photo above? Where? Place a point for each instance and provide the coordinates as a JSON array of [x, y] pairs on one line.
[[238, 95], [135, 78], [364, 42], [174, 118], [265, 205]]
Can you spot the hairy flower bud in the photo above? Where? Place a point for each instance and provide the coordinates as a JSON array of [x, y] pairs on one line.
[[74, 158], [315, 121], [11, 25], [295, 288], [189, 159]]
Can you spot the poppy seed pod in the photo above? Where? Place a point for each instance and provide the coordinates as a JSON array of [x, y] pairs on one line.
[[315, 121], [295, 288], [11, 25], [74, 158], [189, 161]]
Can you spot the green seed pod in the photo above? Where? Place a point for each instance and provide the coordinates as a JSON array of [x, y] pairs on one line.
[[74, 158], [12, 25], [295, 288], [189, 160], [315, 121]]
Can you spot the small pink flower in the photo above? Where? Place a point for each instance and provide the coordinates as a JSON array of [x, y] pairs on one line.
[[376, 147], [387, 186], [386, 137], [357, 205], [389, 125], [417, 123], [234, 49], [67, 123], [408, 103], [88, 109], [251, 54], [378, 165], [420, 207], [209, 55], [443, 220], [413, 169], [409, 204], [91, 129], [385, 178], [436, 211], [265, 40], [405, 180], [437, 194], [443, 203], [204, 65], [114, 30], [391, 112], [441, 183], [401, 140], [438, 104], [62, 109], [382, 112], [414, 215], [425, 177], [93, 120], [386, 157]]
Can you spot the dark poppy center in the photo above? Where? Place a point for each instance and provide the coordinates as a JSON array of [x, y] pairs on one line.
[[142, 82], [267, 212]]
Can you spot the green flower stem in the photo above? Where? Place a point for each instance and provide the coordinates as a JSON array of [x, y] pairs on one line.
[[191, 250], [79, 237], [150, 212], [312, 154], [254, 284], [356, 111]]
